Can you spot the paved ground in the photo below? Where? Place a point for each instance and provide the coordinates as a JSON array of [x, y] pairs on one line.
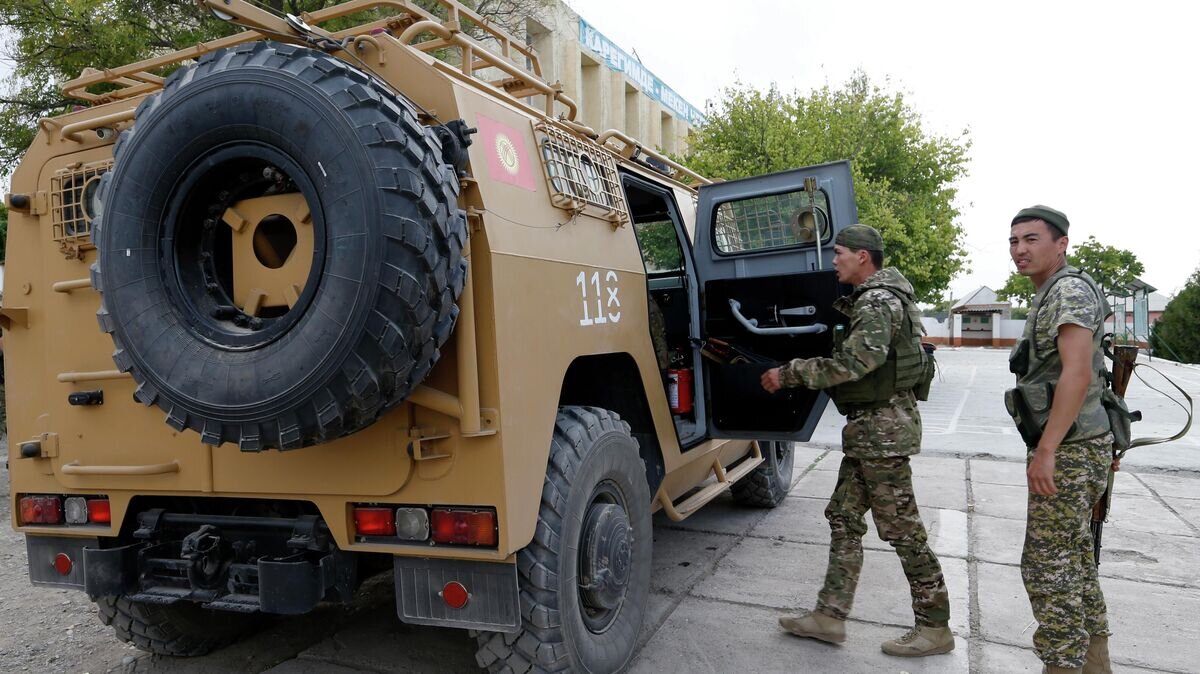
[[723, 576]]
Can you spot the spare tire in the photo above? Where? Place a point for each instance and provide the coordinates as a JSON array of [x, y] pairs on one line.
[[280, 248]]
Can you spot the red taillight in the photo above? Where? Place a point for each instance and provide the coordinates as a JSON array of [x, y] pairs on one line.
[[63, 564], [41, 510], [98, 511], [455, 594], [463, 527], [375, 521]]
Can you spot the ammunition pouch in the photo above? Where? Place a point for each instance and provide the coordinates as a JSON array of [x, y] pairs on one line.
[[1018, 358], [928, 370], [1119, 418], [1029, 424]]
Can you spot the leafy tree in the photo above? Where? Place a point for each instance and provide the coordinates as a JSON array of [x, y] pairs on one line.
[[1112, 268], [904, 176], [1174, 334], [1018, 288], [1020, 313], [53, 41], [3, 231]]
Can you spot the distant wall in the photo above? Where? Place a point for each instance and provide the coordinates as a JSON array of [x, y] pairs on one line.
[[1005, 332]]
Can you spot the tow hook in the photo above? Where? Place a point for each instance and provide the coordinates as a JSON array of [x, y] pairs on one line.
[[205, 550]]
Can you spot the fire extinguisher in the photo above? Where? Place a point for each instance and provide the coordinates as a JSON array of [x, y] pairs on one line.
[[679, 390]]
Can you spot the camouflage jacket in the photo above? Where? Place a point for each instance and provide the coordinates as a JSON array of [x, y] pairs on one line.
[[894, 430]]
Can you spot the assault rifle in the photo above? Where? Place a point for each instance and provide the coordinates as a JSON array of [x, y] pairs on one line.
[[1124, 360]]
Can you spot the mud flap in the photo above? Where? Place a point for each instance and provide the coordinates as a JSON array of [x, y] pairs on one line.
[[43, 550], [493, 604]]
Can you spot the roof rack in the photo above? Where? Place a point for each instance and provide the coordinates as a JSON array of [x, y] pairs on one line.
[[519, 80]]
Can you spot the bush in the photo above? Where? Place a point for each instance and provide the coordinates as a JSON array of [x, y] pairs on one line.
[[1174, 335]]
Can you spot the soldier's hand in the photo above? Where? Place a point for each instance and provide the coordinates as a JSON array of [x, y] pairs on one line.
[[771, 381], [1041, 473]]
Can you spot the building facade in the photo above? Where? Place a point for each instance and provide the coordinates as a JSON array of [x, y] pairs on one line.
[[612, 88]]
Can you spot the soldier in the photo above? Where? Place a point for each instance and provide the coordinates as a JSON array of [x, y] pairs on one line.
[[1057, 407], [870, 377]]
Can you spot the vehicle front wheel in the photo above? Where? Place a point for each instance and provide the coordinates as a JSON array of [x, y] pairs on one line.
[[585, 576], [768, 484]]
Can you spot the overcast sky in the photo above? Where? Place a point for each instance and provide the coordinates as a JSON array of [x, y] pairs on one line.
[[1087, 107]]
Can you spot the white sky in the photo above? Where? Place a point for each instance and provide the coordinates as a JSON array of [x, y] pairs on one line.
[[1086, 107]]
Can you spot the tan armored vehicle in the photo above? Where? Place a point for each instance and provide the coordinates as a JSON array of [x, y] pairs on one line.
[[316, 305]]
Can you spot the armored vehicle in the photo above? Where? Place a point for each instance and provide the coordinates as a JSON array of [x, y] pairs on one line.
[[302, 305]]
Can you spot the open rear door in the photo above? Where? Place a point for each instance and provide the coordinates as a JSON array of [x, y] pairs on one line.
[[764, 258]]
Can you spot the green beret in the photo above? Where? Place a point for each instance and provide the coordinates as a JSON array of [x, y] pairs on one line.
[[1050, 216], [860, 237]]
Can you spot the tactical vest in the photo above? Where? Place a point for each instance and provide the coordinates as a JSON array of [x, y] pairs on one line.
[[1038, 373], [904, 369]]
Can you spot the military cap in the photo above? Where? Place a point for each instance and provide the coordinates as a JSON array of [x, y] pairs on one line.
[[860, 237], [1050, 216]]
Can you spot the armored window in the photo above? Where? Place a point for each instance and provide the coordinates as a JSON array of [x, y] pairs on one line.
[[582, 177], [770, 222], [74, 202]]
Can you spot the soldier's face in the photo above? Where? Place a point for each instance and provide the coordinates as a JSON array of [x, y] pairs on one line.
[[848, 264], [1034, 250]]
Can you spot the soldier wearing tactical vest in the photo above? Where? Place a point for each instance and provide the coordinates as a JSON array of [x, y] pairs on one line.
[[871, 377], [1056, 404]]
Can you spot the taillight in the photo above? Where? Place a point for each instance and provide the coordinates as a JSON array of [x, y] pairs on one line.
[[370, 521], [41, 510], [464, 527], [99, 511]]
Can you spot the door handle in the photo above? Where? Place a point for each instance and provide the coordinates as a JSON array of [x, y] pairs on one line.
[[751, 324]]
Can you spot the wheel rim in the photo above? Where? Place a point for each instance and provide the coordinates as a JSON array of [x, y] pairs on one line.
[[605, 558], [242, 245]]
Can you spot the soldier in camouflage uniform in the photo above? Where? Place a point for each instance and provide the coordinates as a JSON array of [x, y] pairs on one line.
[[883, 428], [1057, 407]]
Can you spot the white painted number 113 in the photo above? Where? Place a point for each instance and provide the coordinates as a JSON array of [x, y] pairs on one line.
[[604, 307]]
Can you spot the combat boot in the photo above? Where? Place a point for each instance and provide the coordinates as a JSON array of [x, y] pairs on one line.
[[920, 641], [815, 625], [1097, 657]]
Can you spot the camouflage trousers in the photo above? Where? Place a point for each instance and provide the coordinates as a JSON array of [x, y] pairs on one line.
[[1057, 564], [883, 486]]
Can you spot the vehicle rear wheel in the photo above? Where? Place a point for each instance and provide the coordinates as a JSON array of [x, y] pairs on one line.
[[280, 248], [585, 577], [182, 629], [768, 484]]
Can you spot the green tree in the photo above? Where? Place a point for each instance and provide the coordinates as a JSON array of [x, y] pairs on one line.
[[904, 176], [53, 41], [1174, 335], [1112, 268], [1018, 288]]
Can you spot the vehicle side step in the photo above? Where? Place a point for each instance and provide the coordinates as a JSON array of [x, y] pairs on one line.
[[680, 511]]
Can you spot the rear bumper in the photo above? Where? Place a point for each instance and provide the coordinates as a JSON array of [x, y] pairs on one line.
[[244, 564]]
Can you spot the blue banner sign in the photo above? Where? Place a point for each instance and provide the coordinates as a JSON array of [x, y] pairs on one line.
[[618, 60]]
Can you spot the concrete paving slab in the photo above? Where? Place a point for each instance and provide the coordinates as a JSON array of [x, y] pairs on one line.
[[1136, 513], [658, 609], [797, 571], [681, 557], [712, 637], [1000, 500], [1188, 509], [1154, 626], [931, 467], [807, 456], [998, 472], [802, 520], [1172, 486], [817, 484], [933, 492], [1008, 659], [1132, 555]]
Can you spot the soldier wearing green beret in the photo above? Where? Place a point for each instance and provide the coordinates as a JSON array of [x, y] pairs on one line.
[[871, 376], [1056, 404]]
